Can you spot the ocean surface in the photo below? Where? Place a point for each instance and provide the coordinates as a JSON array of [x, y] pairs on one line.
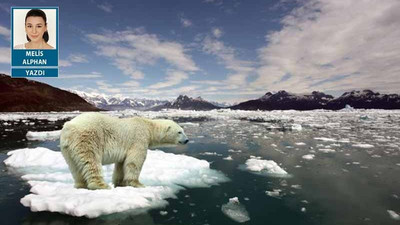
[[343, 168]]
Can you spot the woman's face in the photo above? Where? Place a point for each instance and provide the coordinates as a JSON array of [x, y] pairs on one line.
[[35, 26]]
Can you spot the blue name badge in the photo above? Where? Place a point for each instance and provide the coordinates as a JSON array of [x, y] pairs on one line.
[[34, 45]]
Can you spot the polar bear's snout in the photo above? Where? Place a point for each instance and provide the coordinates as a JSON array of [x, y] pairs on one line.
[[183, 139]]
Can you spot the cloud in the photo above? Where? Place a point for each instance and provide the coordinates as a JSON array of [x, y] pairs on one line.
[[173, 78], [334, 46], [105, 6], [5, 32], [228, 57], [64, 63], [80, 76], [78, 58], [106, 87], [186, 22], [130, 49], [5, 55], [217, 32]]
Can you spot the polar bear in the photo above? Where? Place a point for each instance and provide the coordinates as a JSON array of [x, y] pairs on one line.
[[91, 140]]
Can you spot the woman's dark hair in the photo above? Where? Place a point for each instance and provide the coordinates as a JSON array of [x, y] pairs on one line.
[[38, 12]]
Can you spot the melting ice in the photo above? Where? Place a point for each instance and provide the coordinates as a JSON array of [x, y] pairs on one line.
[[164, 174]]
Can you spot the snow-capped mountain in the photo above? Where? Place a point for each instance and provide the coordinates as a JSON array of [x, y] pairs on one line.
[[283, 100], [118, 102], [366, 99], [187, 103]]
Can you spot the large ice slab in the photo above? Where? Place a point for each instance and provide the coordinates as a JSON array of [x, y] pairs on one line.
[[164, 174]]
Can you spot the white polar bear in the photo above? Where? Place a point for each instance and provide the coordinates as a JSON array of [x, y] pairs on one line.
[[91, 140]]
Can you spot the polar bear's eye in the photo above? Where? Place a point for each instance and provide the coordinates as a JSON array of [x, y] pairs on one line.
[[180, 132]]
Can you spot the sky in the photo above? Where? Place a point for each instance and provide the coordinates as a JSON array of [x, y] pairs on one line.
[[226, 51]]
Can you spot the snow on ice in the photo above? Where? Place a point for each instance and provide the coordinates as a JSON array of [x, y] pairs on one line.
[[163, 174]]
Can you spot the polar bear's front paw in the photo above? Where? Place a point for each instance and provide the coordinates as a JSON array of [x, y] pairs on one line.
[[97, 185], [134, 183]]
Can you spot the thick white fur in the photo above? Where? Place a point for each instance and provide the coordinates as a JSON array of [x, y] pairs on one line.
[[93, 139]]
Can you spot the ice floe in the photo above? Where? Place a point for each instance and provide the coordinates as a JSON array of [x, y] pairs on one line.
[[360, 145], [393, 215], [164, 174], [235, 210], [308, 157], [263, 167], [326, 150], [43, 135], [276, 193]]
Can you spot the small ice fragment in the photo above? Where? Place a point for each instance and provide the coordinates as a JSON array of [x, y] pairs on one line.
[[300, 143], [234, 151], [163, 213], [210, 153], [356, 163], [228, 158], [275, 193], [393, 215], [303, 209], [297, 127], [363, 145], [326, 150], [236, 211], [376, 156], [308, 157], [296, 186], [274, 145], [325, 139], [247, 199], [304, 201]]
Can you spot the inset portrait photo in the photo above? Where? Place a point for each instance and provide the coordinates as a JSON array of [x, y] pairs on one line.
[[34, 28]]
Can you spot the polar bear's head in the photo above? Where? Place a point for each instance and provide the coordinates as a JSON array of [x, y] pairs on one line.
[[170, 133]]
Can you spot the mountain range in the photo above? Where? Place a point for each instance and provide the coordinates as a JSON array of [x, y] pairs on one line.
[[282, 100], [23, 95]]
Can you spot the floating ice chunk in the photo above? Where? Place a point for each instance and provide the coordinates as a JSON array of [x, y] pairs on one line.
[[363, 145], [43, 135], [164, 174], [234, 151], [303, 209], [189, 124], [163, 213], [308, 157], [263, 167], [296, 186], [236, 211], [393, 215], [326, 150], [210, 153], [300, 143], [325, 139], [274, 193], [297, 127], [228, 158]]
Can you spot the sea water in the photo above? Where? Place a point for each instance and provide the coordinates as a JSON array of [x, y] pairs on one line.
[[352, 178]]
